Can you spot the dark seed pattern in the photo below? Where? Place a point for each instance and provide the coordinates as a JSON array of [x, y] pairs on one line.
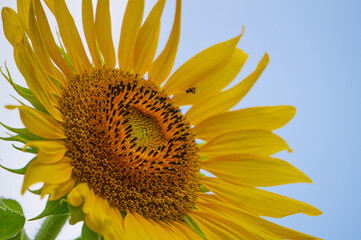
[[130, 144]]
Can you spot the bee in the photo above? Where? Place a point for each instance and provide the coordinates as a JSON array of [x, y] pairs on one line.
[[191, 90]]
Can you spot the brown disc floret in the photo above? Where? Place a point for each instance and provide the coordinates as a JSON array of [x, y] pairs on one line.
[[130, 144]]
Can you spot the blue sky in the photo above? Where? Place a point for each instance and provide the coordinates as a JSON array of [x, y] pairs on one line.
[[314, 49]]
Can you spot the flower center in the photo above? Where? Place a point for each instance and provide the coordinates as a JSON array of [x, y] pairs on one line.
[[130, 144]]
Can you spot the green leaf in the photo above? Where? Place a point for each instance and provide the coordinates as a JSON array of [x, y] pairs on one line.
[[190, 222], [20, 236], [11, 222], [87, 234], [76, 214], [57, 207], [11, 204], [18, 171], [24, 92]]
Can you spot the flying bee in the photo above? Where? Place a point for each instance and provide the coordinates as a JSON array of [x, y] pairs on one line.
[[191, 90]]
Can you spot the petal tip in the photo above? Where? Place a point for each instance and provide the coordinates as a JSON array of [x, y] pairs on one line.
[[10, 107]]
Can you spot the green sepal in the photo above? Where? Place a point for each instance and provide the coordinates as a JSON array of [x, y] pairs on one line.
[[66, 57], [36, 192], [101, 56], [203, 189], [12, 219], [65, 54], [28, 149], [15, 138], [18, 171], [76, 214], [88, 234], [190, 222], [57, 207], [19, 101], [78, 238], [19, 138], [25, 133], [203, 157], [24, 92], [56, 82]]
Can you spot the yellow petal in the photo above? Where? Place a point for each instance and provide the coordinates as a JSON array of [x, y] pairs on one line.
[[116, 230], [163, 65], [13, 30], [50, 4], [214, 83], [43, 55], [222, 210], [137, 227], [244, 141], [164, 232], [103, 31], [283, 232], [90, 199], [201, 66], [49, 151], [70, 36], [184, 231], [224, 101], [241, 225], [254, 170], [254, 224], [57, 191], [38, 123], [89, 31], [216, 228], [98, 220], [57, 173], [267, 118], [78, 194], [48, 40], [258, 201], [100, 217], [147, 40], [36, 79], [130, 27], [23, 11]]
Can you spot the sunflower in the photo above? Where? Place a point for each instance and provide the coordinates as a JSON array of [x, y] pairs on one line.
[[110, 137]]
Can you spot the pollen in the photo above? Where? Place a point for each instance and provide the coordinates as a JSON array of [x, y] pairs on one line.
[[130, 144]]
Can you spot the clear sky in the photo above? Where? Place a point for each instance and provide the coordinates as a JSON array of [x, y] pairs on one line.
[[314, 49]]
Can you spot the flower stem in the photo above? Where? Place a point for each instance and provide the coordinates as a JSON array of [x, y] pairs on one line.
[[51, 227]]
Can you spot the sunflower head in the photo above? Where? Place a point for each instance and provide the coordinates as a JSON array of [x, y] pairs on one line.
[[110, 137], [130, 144]]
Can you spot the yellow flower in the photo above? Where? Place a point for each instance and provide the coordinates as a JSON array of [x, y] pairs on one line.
[[116, 144]]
